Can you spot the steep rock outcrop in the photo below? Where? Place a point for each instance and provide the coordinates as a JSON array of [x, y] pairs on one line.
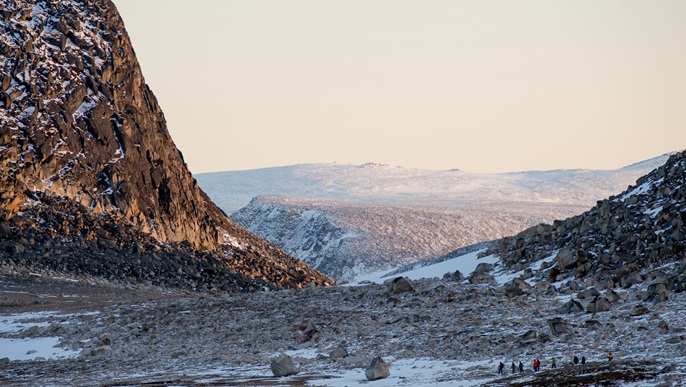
[[641, 228], [80, 128]]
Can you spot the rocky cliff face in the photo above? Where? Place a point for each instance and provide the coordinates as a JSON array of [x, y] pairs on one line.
[[642, 228], [80, 128]]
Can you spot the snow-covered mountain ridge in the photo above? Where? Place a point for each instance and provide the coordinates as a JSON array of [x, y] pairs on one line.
[[381, 183], [349, 220]]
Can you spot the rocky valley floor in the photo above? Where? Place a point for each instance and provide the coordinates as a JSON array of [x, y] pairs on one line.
[[434, 332]]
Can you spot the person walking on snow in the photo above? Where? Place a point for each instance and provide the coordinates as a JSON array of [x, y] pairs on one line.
[[514, 367], [521, 367], [500, 368], [553, 365], [583, 359], [609, 357], [576, 360]]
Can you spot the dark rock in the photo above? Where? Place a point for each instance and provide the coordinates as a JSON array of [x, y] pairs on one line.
[[552, 275], [544, 338], [588, 293], [571, 306], [516, 287], [591, 324], [566, 259], [377, 369], [105, 339], [656, 292], [399, 285], [631, 279], [455, 276], [481, 278], [611, 295], [558, 326], [639, 310], [283, 366], [100, 350], [599, 304], [529, 335], [483, 267]]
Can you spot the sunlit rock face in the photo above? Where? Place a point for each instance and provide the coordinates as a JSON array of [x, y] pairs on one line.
[[79, 127]]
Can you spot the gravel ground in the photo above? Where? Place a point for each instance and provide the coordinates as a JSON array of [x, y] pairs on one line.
[[126, 336]]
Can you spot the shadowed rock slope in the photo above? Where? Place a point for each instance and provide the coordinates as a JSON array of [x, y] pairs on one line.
[[90, 180], [642, 228]]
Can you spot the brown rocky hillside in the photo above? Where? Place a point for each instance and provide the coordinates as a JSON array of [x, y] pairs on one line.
[[90, 180]]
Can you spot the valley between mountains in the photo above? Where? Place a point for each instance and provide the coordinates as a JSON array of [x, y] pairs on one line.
[[117, 268]]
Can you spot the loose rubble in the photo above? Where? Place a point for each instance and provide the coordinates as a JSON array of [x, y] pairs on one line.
[[193, 337]]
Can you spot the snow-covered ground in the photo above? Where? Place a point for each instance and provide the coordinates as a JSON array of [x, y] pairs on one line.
[[465, 264], [29, 348]]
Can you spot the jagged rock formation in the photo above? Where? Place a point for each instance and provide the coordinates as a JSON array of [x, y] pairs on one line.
[[641, 228], [346, 239], [86, 156]]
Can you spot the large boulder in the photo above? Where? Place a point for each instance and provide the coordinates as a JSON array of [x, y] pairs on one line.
[[566, 259], [588, 293], [599, 304], [377, 369], [338, 353], [571, 306], [632, 278], [283, 366]]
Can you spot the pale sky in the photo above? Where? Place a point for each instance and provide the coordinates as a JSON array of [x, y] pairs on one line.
[[483, 86]]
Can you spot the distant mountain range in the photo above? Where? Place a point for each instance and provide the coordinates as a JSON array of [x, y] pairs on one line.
[[347, 220], [380, 183]]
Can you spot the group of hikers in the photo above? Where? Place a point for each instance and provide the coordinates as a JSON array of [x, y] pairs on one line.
[[537, 364]]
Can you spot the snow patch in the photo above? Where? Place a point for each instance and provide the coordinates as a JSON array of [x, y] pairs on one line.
[[464, 263], [29, 348]]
